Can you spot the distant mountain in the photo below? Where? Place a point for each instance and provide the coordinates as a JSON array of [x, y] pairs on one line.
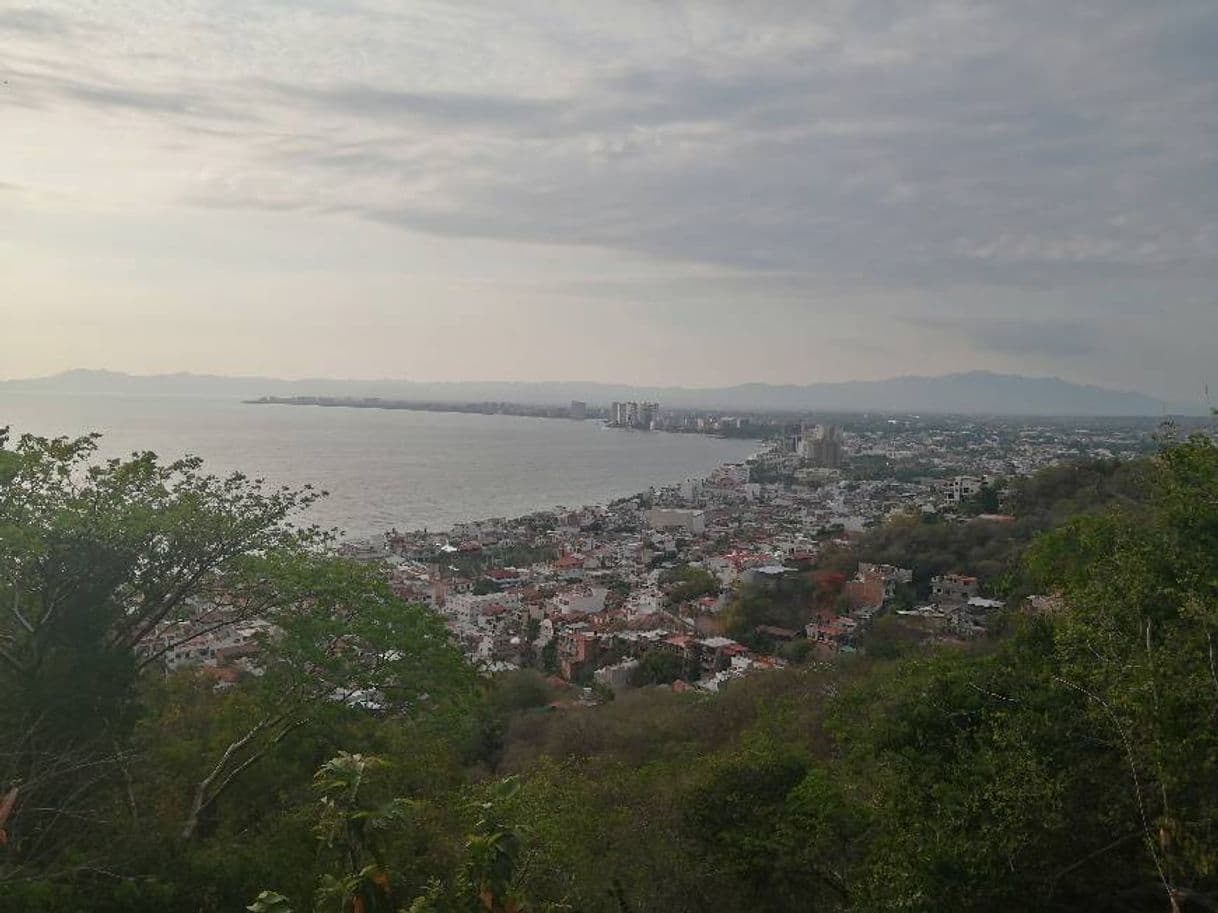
[[974, 393]]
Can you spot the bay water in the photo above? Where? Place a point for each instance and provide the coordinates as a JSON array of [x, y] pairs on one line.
[[385, 468]]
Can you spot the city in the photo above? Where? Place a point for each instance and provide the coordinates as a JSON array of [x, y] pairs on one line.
[[600, 596]]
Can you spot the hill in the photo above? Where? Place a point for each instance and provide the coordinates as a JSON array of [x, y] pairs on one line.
[[972, 393]]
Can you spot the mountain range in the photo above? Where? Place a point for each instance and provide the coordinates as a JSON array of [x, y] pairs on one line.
[[972, 393]]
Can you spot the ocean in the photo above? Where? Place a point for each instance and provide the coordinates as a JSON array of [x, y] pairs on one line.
[[386, 468]]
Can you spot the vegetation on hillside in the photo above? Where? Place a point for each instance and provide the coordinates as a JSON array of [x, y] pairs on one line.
[[1068, 765]]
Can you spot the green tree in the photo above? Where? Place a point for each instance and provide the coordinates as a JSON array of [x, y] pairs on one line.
[[549, 657], [99, 565], [763, 820], [657, 667], [95, 558], [688, 582], [1138, 646], [342, 639], [484, 586], [1071, 767]]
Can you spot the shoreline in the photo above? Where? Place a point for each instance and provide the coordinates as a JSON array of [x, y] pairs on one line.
[[487, 407], [475, 408], [517, 519]]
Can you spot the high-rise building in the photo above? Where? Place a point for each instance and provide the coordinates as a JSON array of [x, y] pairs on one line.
[[634, 415], [579, 410], [648, 413], [822, 445]]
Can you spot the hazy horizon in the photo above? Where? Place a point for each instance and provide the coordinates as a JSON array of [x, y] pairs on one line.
[[664, 194], [971, 393], [557, 381]]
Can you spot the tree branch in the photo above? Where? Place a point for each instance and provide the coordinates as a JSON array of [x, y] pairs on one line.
[[199, 803]]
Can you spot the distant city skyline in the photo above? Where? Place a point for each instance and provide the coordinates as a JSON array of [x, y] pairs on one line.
[[974, 393], [663, 194]]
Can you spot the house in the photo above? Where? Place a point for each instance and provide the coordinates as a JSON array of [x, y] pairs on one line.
[[831, 634], [974, 617], [961, 488], [716, 653], [766, 573], [569, 567], [617, 676], [891, 574], [580, 600], [873, 585], [954, 588], [577, 647]]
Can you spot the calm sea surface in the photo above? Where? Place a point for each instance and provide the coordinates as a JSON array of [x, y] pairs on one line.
[[386, 468]]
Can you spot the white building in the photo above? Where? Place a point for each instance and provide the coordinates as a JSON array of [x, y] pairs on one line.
[[616, 676], [583, 600], [646, 601], [690, 520], [961, 488], [466, 608]]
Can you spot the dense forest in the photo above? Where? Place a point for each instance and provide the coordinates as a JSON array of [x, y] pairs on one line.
[[1069, 763]]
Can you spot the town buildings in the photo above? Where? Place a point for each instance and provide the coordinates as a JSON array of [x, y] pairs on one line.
[[642, 416], [587, 592]]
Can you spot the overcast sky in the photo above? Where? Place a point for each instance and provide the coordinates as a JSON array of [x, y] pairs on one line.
[[689, 193]]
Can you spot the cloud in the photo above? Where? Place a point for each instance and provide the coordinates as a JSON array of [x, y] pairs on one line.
[[963, 158], [450, 108], [969, 144], [33, 22], [947, 143], [149, 101]]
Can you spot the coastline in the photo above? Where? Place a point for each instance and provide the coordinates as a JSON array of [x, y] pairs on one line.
[[385, 468], [459, 528], [493, 407], [476, 408]]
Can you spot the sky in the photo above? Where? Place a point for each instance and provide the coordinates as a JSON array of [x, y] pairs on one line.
[[645, 192]]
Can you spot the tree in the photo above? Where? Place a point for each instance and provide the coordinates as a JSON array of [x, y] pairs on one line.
[[1138, 647], [657, 667], [94, 559], [796, 651], [887, 637], [484, 586], [342, 639], [101, 565], [358, 828], [757, 817], [787, 602], [986, 501], [688, 582], [549, 657], [1072, 766]]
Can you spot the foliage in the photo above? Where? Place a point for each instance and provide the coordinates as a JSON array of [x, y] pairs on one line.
[[888, 637], [484, 586], [657, 667], [98, 564], [688, 582], [95, 558], [789, 601], [798, 650], [991, 550], [988, 500]]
